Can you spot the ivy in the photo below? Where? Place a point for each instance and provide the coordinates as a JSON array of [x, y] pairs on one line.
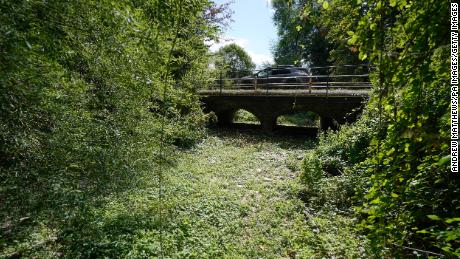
[[412, 199], [412, 97]]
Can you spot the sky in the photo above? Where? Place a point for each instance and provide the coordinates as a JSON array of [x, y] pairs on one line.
[[252, 29]]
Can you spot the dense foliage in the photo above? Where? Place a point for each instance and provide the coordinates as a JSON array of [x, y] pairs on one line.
[[312, 33], [407, 198], [233, 61], [413, 200], [300, 37], [89, 92]]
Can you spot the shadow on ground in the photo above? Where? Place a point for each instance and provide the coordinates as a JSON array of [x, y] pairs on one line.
[[283, 136]]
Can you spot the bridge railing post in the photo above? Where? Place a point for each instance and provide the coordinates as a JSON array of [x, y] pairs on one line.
[[220, 82], [327, 85], [238, 79], [309, 84], [267, 85]]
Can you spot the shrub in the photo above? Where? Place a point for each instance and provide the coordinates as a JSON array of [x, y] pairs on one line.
[[88, 91], [339, 150], [329, 173]]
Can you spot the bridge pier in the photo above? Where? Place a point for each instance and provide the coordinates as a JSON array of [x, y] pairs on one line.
[[268, 122], [225, 118], [327, 123]]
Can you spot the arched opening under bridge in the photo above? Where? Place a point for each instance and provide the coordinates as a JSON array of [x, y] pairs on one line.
[[299, 119], [245, 117]]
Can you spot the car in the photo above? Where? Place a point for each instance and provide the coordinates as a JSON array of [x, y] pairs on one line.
[[283, 74]]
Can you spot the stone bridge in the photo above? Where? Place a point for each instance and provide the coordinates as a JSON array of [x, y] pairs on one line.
[[333, 108]]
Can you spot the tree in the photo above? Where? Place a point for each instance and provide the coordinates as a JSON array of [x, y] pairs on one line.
[[313, 33], [301, 38], [94, 90], [234, 60]]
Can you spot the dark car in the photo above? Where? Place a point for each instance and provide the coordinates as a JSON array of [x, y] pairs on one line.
[[278, 75]]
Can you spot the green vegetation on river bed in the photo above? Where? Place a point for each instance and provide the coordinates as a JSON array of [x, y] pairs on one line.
[[233, 195]]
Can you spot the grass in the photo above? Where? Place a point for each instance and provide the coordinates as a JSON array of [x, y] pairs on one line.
[[243, 116], [231, 196]]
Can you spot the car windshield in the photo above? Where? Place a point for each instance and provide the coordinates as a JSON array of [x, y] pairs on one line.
[[263, 73]]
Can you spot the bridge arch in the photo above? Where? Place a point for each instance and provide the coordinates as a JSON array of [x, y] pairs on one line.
[[325, 119], [226, 115], [245, 116], [299, 119]]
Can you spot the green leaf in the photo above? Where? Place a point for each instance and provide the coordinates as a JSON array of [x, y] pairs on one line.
[[326, 5], [407, 147], [433, 217], [444, 160], [451, 220], [298, 27], [353, 40], [28, 44], [375, 201], [362, 55], [394, 195], [402, 4], [373, 26], [388, 107]]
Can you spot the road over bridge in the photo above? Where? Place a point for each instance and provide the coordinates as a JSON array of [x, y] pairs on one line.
[[334, 102]]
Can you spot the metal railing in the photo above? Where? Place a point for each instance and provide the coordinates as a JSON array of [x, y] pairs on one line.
[[327, 81]]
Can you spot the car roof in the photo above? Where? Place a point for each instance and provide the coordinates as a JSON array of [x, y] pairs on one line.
[[286, 67]]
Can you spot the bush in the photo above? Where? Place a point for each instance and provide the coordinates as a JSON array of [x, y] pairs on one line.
[[407, 197], [312, 171], [329, 173], [339, 150], [88, 91]]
